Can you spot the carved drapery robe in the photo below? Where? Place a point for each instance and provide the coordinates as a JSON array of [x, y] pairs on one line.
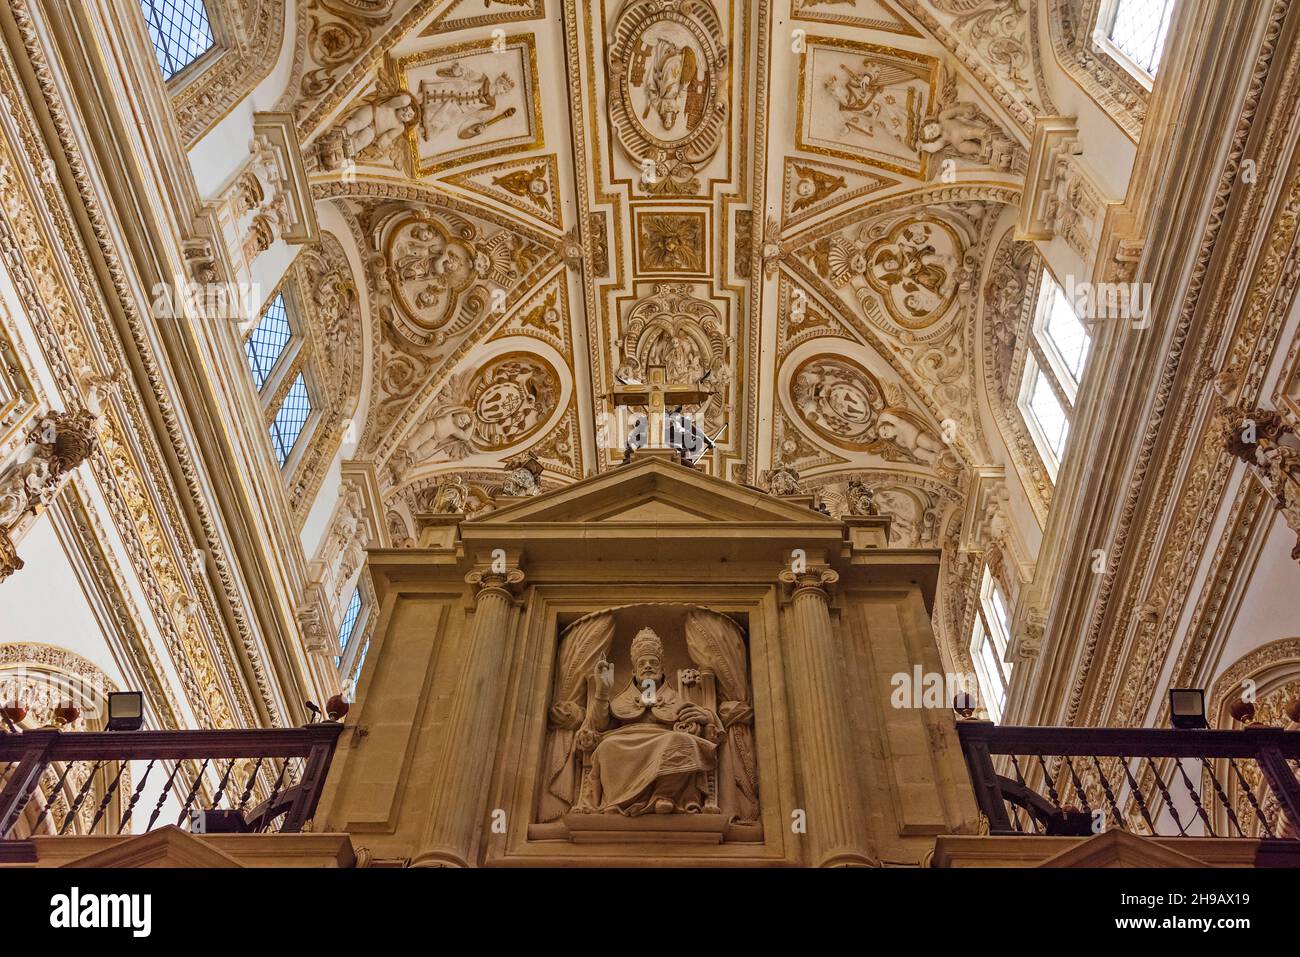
[[643, 759], [581, 649]]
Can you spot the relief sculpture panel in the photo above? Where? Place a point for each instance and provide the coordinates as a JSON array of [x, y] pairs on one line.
[[668, 90], [655, 725]]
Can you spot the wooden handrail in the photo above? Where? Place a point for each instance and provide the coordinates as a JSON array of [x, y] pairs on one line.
[[172, 745], [1270, 748], [1129, 742], [33, 751]]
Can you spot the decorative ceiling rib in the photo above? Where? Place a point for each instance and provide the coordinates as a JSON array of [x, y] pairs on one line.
[[786, 206]]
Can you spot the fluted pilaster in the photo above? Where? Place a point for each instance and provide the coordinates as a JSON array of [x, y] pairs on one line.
[[828, 782], [456, 804]]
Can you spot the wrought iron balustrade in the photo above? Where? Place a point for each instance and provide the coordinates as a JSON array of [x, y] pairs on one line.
[[1149, 781], [59, 783]]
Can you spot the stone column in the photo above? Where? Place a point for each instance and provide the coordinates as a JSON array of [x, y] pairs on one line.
[[828, 784], [456, 805]]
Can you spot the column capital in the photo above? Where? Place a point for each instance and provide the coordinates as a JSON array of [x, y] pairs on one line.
[[820, 579], [507, 581]]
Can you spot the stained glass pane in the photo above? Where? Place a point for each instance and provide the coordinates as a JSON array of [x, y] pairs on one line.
[[266, 344], [1139, 29], [179, 30], [289, 421]]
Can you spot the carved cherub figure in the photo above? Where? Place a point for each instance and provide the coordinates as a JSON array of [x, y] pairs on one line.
[[861, 500]]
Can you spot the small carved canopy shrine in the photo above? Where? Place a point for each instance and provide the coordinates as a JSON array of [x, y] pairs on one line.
[[649, 665]]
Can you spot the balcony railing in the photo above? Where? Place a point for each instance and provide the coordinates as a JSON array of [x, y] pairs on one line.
[[1149, 781], [249, 781]]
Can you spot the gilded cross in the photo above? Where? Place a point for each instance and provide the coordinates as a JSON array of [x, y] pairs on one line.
[[656, 395]]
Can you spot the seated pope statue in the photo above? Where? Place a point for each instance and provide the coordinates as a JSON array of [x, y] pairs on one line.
[[651, 757]]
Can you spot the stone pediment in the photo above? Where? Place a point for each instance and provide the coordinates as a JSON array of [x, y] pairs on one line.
[[1116, 848], [653, 491], [166, 847]]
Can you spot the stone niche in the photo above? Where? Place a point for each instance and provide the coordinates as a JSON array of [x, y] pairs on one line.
[[650, 666], [660, 776]]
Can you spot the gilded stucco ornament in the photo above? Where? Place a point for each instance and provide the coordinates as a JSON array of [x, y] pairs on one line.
[[372, 132], [673, 327], [523, 474], [668, 100], [781, 480], [1262, 439], [861, 500], [438, 275], [59, 442], [845, 404], [499, 406]]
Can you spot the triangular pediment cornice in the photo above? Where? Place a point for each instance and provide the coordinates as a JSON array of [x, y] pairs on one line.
[[1116, 848], [654, 491], [166, 847]]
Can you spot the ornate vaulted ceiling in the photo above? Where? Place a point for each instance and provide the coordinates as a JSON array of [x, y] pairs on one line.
[[791, 203]]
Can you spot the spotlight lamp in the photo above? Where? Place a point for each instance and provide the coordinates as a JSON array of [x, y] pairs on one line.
[[1187, 708], [125, 711]]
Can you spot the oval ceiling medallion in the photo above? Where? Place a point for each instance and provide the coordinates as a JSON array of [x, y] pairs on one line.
[[429, 267], [837, 399], [668, 73], [914, 267], [512, 397]]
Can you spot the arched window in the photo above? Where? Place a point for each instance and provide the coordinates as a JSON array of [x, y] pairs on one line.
[[1134, 32], [282, 376], [990, 635], [180, 32], [1049, 386]]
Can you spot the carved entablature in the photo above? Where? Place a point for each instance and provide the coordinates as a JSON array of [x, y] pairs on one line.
[[1061, 199], [989, 522]]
